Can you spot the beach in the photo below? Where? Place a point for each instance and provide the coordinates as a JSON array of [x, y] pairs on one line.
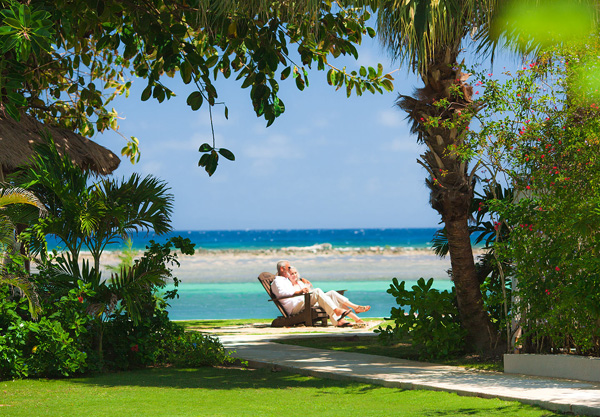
[[316, 263]]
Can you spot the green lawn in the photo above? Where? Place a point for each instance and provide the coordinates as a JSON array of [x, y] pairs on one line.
[[234, 392]]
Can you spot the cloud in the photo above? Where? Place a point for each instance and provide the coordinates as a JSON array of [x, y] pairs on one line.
[[392, 118], [273, 146], [407, 143]]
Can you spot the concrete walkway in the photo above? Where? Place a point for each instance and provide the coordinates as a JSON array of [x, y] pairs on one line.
[[581, 398]]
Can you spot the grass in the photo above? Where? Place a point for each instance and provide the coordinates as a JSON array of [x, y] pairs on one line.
[[235, 392], [217, 323]]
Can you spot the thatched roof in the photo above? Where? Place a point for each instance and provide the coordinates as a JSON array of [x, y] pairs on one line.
[[18, 138]]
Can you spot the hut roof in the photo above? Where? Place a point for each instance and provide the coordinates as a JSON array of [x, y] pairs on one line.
[[17, 140]]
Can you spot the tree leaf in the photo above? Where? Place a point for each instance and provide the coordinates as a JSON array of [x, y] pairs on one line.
[[226, 153], [205, 147], [146, 93], [195, 100]]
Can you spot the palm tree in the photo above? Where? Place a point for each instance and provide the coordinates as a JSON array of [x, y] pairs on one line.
[[428, 35], [11, 212], [92, 215]]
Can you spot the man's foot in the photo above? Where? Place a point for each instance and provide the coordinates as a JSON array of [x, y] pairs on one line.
[[343, 323], [362, 309]]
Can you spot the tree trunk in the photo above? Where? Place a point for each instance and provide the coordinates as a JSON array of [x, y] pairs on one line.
[[474, 318], [441, 111]]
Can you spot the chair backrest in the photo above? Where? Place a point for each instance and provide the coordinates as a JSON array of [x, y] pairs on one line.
[[266, 279]]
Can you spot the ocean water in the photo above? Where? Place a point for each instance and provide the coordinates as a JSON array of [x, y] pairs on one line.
[[249, 300], [277, 239]]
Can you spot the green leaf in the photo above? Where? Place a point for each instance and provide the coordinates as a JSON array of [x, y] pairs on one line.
[[186, 72], [205, 147], [195, 100], [300, 83], [226, 153], [363, 72], [100, 7], [226, 113], [178, 29], [387, 84], [203, 160], [212, 60], [286, 73], [146, 93], [11, 109], [211, 164]]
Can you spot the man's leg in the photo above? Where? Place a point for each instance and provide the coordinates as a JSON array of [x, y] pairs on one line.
[[300, 306]]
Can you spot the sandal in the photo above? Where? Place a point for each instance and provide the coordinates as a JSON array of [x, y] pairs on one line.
[[360, 325], [362, 309], [344, 324]]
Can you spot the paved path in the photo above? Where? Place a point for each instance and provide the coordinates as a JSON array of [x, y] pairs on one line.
[[581, 398]]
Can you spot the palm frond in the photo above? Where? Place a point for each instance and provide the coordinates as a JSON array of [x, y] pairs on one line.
[[26, 288], [417, 32]]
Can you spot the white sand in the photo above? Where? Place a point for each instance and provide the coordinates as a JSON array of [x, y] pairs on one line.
[[318, 265]]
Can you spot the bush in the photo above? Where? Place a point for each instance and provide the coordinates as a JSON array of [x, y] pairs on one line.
[[432, 321], [195, 349], [53, 346]]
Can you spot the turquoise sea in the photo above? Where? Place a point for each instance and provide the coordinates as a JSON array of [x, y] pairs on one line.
[[220, 282]]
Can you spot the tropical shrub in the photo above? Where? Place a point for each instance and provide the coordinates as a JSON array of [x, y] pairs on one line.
[[53, 346], [540, 134], [91, 322], [431, 322]]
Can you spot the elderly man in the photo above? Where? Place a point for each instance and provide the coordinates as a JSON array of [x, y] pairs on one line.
[[336, 306]]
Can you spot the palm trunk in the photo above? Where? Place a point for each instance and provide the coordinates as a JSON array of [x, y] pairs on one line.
[[450, 181], [474, 318]]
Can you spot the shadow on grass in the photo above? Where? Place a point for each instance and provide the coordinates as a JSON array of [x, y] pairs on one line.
[[222, 378], [227, 384]]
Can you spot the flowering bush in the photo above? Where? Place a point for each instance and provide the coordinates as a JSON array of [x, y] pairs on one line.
[[540, 134]]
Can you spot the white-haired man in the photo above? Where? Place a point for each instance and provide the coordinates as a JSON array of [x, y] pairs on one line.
[[335, 305]]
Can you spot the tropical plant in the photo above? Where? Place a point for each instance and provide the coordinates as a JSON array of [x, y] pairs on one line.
[[91, 215], [12, 263], [431, 322], [540, 131]]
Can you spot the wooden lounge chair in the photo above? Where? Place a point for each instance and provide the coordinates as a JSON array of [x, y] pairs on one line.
[[308, 316]]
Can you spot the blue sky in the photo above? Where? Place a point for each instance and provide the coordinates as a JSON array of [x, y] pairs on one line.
[[328, 162]]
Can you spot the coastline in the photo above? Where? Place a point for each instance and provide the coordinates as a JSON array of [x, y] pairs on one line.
[[317, 262]]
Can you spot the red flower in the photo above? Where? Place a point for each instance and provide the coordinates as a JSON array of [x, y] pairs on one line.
[[557, 269], [135, 348], [547, 292], [80, 299], [528, 187]]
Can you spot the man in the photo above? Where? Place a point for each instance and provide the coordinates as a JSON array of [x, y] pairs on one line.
[[287, 283]]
